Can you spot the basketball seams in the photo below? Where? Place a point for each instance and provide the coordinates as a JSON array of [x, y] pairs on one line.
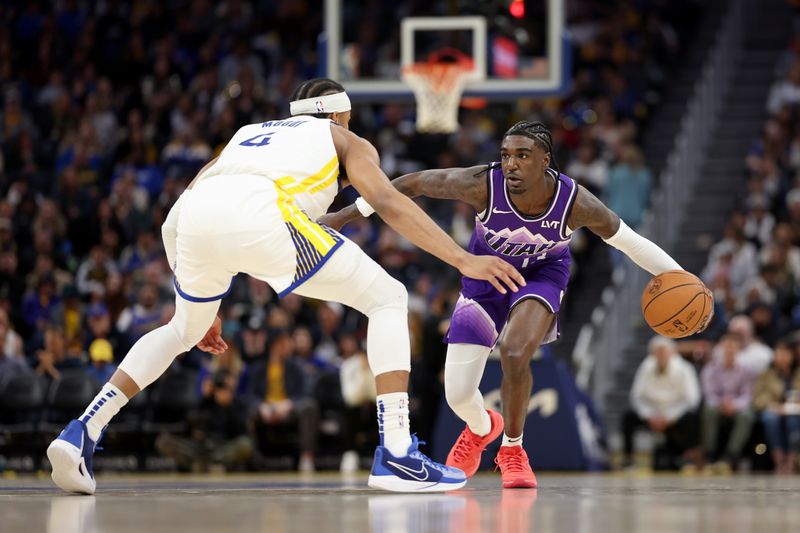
[[700, 317], [681, 309], [644, 310], [690, 289]]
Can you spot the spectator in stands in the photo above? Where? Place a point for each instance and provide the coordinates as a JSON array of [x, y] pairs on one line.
[[731, 263], [12, 285], [785, 92], [358, 391], [185, 154], [589, 169], [101, 357], [38, 306], [95, 271], [728, 394], [629, 184], [56, 356], [754, 355], [10, 341], [98, 323], [777, 398], [304, 350], [760, 222], [68, 314], [782, 251], [329, 318], [254, 339], [219, 431], [278, 389], [141, 317], [664, 398], [12, 360], [231, 363]]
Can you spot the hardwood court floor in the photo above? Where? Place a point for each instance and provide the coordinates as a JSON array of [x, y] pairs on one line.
[[613, 503]]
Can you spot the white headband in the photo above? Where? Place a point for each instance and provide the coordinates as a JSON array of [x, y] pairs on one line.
[[329, 103]]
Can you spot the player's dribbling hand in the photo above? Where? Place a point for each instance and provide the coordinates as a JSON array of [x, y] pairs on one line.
[[335, 220], [213, 342], [494, 270]]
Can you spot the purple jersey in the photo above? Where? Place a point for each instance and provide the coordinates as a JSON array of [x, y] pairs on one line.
[[520, 239], [537, 246]]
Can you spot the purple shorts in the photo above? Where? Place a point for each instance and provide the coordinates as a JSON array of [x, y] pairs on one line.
[[482, 312]]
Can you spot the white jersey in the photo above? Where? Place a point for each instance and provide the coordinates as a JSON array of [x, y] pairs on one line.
[[297, 154], [270, 184]]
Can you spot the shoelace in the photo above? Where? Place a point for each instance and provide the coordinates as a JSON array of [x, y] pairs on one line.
[[416, 454], [513, 462], [464, 445]]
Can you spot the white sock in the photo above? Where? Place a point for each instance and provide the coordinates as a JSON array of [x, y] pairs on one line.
[[102, 409], [508, 441], [393, 422]]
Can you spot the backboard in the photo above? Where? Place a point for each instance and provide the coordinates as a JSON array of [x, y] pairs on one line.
[[516, 53]]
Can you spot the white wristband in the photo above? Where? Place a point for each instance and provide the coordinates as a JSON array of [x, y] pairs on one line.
[[363, 207]]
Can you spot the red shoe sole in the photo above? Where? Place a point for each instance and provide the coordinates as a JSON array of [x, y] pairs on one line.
[[520, 484]]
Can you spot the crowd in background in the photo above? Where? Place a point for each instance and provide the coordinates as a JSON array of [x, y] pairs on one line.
[[740, 386], [108, 110]]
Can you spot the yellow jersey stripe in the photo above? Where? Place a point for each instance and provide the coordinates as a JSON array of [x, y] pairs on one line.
[[327, 175], [324, 184], [321, 240], [324, 172]]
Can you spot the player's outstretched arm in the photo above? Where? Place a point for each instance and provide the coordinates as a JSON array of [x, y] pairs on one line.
[[588, 211], [464, 184], [362, 163]]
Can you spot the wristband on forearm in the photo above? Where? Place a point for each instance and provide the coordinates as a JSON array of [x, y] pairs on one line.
[[363, 207]]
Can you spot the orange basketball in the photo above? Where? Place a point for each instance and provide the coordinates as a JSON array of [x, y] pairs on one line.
[[677, 304]]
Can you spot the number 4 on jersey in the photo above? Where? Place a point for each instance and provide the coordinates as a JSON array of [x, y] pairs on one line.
[[262, 139]]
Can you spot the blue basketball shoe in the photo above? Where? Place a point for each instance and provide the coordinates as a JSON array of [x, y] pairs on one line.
[[415, 472], [71, 456]]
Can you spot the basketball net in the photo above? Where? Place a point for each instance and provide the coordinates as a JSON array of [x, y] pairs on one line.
[[438, 87]]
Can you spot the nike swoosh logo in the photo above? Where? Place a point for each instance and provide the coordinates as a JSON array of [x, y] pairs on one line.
[[495, 210], [412, 473]]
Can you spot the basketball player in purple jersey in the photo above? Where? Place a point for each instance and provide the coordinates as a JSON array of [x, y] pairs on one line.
[[526, 214]]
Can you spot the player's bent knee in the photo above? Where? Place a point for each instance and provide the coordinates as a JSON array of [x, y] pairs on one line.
[[394, 293], [385, 293], [514, 353], [457, 395], [188, 334]]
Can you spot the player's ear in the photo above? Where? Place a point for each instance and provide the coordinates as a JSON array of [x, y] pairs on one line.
[[546, 160]]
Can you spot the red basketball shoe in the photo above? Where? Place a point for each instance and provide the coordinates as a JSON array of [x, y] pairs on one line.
[[466, 452], [515, 467]]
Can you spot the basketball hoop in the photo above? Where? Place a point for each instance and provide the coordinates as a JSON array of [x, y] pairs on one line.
[[438, 85]]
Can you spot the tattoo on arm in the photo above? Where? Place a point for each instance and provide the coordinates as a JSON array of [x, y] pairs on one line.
[[465, 184], [588, 211]]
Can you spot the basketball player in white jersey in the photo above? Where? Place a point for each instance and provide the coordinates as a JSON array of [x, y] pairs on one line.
[[253, 210]]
